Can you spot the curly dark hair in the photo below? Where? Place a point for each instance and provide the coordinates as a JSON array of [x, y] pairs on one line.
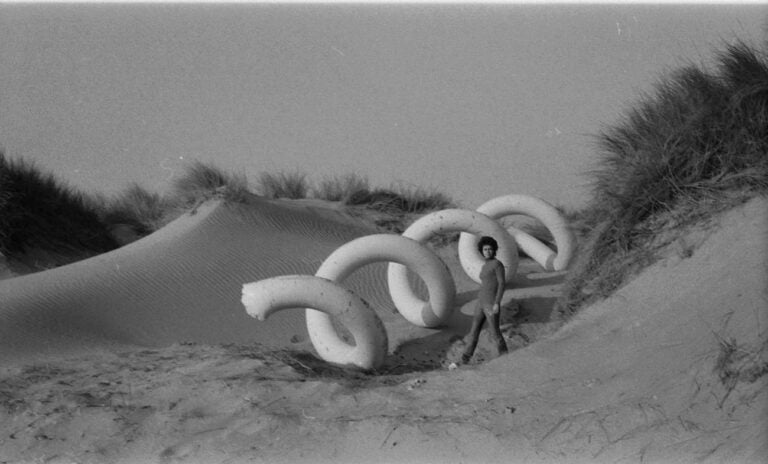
[[485, 240]]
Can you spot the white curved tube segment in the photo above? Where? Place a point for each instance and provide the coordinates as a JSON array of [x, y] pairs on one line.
[[386, 247], [459, 220], [266, 296], [537, 208], [532, 247]]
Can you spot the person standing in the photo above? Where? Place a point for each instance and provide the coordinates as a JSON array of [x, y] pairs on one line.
[[492, 281]]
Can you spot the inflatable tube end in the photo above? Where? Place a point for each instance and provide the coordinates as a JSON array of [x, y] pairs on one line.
[[550, 264], [252, 305]]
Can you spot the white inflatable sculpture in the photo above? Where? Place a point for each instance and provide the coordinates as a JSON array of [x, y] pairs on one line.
[[384, 247], [266, 296], [459, 220], [536, 208], [323, 297]]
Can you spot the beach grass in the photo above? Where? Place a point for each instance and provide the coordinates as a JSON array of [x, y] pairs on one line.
[[403, 199], [140, 209], [40, 212], [291, 185], [696, 146], [37, 211], [342, 188], [204, 181]]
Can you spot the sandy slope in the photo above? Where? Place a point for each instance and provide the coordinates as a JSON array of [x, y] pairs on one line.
[[182, 283], [640, 377]]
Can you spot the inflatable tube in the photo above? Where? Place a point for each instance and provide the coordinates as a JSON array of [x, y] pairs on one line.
[[386, 247], [530, 206], [532, 247], [266, 296], [459, 220]]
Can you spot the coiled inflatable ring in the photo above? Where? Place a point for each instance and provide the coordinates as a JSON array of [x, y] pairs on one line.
[[266, 296], [530, 206], [458, 220], [386, 247]]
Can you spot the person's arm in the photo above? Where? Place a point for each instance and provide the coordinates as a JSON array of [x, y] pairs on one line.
[[500, 281]]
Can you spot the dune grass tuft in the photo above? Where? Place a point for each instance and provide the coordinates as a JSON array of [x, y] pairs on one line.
[[342, 188], [39, 212], [352, 190], [697, 146], [290, 185], [142, 210], [203, 181], [355, 190], [738, 363], [401, 199]]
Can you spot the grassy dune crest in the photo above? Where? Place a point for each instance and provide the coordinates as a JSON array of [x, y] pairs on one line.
[[139, 209], [342, 188], [202, 181], [354, 190], [37, 212], [696, 146], [291, 185]]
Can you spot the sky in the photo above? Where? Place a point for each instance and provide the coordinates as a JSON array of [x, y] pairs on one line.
[[471, 100]]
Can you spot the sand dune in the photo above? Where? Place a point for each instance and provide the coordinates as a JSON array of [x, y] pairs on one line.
[[181, 283], [669, 369], [635, 378]]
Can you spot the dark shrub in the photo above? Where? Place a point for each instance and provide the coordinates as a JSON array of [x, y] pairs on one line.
[[36, 211], [697, 146]]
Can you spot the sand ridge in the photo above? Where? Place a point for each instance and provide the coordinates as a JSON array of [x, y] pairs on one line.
[[669, 369], [181, 283]]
